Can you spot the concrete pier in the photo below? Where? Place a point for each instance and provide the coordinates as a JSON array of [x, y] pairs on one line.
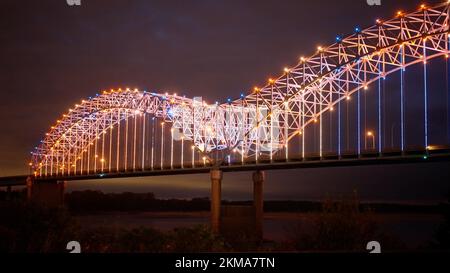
[[258, 201], [216, 198], [48, 193]]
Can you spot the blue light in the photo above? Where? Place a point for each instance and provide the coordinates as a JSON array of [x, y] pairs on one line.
[[357, 30], [229, 100], [338, 38], [96, 95], [242, 95], [170, 112]]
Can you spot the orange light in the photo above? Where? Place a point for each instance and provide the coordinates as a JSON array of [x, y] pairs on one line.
[[271, 81], [286, 70], [369, 133]]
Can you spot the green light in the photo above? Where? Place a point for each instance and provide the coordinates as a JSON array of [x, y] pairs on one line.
[[425, 157]]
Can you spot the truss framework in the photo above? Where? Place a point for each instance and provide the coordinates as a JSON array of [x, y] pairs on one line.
[[264, 121]]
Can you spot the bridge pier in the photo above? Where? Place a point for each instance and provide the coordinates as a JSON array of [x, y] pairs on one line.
[[47, 193], [216, 198], [258, 201]]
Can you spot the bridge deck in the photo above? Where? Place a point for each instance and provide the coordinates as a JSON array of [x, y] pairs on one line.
[[312, 162]]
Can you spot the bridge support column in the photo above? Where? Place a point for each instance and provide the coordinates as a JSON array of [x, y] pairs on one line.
[[258, 201], [216, 198], [47, 193]]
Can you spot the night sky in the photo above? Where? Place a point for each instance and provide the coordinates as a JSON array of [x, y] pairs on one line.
[[54, 55]]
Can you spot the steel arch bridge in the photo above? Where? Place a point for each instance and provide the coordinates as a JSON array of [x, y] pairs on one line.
[[132, 130]]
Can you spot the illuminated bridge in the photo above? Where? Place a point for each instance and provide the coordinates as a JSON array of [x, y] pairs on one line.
[[378, 95]]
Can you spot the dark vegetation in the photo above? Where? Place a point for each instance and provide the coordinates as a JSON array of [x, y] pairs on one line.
[[336, 225], [29, 227], [442, 236], [342, 225]]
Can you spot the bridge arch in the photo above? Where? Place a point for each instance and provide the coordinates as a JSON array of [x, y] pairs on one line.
[[319, 82], [265, 121]]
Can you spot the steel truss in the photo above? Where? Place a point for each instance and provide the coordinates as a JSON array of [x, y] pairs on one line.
[[263, 122]]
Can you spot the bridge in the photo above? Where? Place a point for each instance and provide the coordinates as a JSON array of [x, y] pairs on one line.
[[376, 96]]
